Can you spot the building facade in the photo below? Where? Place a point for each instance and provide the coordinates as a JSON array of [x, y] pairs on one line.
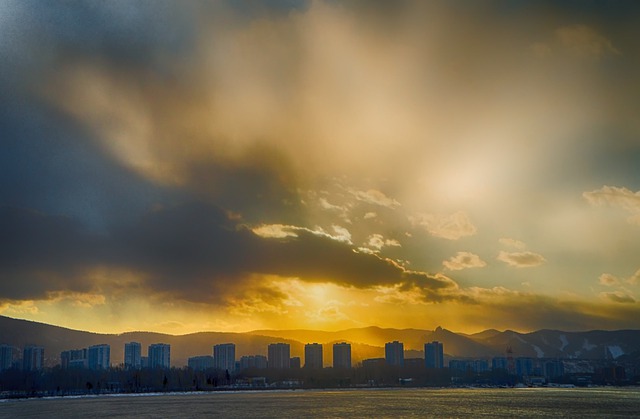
[[294, 362], [342, 355], [159, 355], [253, 361], [133, 355], [224, 357], [99, 357], [434, 355], [74, 358], [200, 363], [279, 355], [313, 356], [6, 357], [394, 353], [33, 358]]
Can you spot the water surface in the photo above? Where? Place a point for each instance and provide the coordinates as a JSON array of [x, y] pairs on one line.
[[440, 403]]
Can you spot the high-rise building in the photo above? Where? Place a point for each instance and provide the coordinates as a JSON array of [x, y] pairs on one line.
[[434, 355], [313, 356], [133, 355], [394, 353], [33, 358], [500, 362], [342, 355], [469, 365], [224, 357], [279, 355], [294, 362], [553, 368], [74, 358], [6, 357], [200, 363], [253, 361], [524, 366], [99, 357], [159, 355]]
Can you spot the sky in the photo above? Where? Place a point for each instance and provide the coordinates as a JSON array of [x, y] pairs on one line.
[[181, 166]]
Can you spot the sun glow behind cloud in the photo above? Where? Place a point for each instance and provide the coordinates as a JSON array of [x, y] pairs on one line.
[[320, 167]]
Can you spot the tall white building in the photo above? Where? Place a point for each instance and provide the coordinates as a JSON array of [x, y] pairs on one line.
[[133, 355], [159, 355], [224, 357], [99, 357]]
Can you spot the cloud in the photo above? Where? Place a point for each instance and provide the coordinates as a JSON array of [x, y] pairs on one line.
[[342, 234], [541, 50], [617, 197], [377, 241], [375, 197], [528, 311], [608, 280], [585, 41], [512, 243], [452, 227], [191, 252], [280, 231], [618, 297], [41, 253], [329, 206], [112, 110], [611, 280], [521, 259], [464, 260], [635, 278], [275, 231]]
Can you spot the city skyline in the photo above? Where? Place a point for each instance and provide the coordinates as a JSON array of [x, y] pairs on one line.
[[396, 369], [179, 167]]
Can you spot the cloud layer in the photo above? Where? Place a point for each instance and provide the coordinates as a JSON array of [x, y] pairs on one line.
[[307, 159]]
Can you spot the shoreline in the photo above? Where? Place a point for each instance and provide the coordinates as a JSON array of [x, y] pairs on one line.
[[23, 397]]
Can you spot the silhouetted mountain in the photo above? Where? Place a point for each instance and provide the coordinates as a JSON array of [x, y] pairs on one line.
[[365, 342], [485, 334], [595, 344], [413, 339]]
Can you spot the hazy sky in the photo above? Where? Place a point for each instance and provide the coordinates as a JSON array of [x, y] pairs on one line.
[[183, 166]]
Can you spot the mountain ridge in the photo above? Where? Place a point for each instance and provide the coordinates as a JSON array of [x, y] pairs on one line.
[[367, 342]]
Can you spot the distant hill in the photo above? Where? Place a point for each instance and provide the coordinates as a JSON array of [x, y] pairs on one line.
[[365, 342], [595, 344]]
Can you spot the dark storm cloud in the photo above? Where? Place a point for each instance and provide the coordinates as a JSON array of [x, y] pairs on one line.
[[191, 252], [195, 252], [524, 311], [40, 253], [86, 209], [48, 164]]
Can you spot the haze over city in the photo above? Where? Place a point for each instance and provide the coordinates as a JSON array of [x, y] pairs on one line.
[[231, 166]]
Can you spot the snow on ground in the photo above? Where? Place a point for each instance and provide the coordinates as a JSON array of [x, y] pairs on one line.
[[565, 342], [615, 351], [588, 346], [539, 352]]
